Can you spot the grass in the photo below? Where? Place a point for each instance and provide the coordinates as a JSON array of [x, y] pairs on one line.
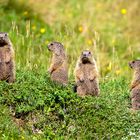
[[55, 112], [58, 113]]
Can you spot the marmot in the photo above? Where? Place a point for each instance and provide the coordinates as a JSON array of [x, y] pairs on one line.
[[7, 64], [86, 75], [58, 69], [135, 85]]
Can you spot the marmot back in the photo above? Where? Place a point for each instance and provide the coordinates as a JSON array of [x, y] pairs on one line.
[[58, 69], [7, 64], [135, 85], [86, 75]]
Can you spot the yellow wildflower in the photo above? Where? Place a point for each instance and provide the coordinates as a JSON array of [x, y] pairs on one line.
[[123, 11], [109, 66], [33, 27], [69, 15], [89, 42], [118, 72], [46, 42], [25, 13], [113, 41], [99, 5], [80, 29], [42, 30]]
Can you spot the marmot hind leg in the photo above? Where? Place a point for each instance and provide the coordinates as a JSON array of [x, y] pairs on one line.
[[135, 104], [11, 72], [95, 87], [11, 78], [81, 91]]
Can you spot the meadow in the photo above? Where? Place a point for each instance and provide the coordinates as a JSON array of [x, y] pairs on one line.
[[109, 29]]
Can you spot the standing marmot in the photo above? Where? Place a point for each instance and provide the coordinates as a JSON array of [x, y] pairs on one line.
[[7, 65], [135, 86], [86, 75], [58, 69]]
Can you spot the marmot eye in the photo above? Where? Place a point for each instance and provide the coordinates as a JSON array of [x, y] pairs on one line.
[[89, 52], [5, 34], [51, 44], [133, 62]]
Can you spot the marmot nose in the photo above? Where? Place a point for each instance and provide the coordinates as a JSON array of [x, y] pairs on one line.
[[130, 64], [48, 47]]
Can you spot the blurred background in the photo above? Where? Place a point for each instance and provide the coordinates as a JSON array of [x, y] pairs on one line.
[[110, 29]]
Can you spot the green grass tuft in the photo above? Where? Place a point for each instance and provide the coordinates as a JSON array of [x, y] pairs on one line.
[[58, 113]]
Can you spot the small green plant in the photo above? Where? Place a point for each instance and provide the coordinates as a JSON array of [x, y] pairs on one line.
[[56, 112]]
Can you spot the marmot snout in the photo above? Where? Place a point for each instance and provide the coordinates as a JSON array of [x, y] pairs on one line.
[[58, 69], [134, 64], [86, 57], [57, 48], [3, 39]]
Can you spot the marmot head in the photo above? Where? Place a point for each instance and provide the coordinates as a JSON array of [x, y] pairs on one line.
[[4, 40], [86, 57], [56, 47], [135, 64]]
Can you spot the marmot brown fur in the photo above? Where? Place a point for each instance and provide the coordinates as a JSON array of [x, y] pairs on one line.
[[135, 85], [58, 69], [86, 75], [7, 64]]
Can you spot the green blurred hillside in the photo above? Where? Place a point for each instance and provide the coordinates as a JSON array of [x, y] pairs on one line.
[[109, 28]]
